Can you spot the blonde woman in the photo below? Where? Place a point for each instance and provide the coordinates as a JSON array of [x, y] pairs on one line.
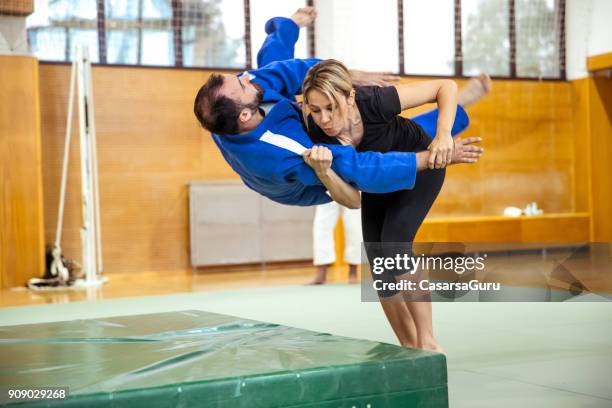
[[367, 119]]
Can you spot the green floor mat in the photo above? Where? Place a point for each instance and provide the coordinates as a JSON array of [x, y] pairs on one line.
[[194, 358]]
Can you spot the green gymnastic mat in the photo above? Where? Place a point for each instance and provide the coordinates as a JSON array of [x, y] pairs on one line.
[[200, 359]]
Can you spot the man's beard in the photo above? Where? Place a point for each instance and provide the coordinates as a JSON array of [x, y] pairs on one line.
[[255, 105], [257, 101]]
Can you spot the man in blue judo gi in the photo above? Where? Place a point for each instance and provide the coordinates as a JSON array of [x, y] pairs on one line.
[[257, 125]]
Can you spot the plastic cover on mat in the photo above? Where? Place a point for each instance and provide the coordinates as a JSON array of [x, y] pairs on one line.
[[195, 358]]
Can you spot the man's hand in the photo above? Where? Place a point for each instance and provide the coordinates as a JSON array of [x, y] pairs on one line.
[[441, 150], [465, 151], [319, 158], [363, 78]]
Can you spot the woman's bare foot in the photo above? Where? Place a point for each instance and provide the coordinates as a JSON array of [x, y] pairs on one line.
[[475, 90], [305, 16], [408, 344], [430, 345]]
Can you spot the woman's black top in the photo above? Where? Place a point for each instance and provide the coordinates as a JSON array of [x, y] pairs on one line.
[[384, 130]]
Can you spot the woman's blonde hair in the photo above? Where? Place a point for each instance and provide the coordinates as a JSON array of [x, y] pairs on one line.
[[331, 78]]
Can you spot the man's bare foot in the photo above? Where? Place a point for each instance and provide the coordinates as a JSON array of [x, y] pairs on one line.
[[317, 281], [352, 274], [305, 16], [475, 90], [321, 276]]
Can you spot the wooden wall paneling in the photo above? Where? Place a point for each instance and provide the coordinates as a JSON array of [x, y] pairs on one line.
[[599, 62], [21, 214], [528, 138], [549, 228], [146, 248], [16, 7], [433, 230], [600, 94], [581, 191], [150, 147], [556, 228], [490, 229]]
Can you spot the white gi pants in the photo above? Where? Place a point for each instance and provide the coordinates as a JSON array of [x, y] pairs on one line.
[[325, 219]]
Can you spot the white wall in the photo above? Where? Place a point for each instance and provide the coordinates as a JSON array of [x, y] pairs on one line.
[[360, 33], [13, 38], [600, 38], [577, 27], [588, 32]]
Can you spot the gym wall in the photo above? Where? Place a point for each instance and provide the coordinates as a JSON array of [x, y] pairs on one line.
[[150, 147]]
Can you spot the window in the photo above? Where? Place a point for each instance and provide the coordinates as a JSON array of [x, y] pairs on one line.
[[139, 32], [121, 39], [506, 38], [142, 32], [364, 37], [261, 11], [213, 33], [56, 25], [49, 43], [429, 37], [537, 34], [485, 37]]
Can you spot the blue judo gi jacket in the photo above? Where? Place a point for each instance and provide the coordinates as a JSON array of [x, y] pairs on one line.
[[268, 159]]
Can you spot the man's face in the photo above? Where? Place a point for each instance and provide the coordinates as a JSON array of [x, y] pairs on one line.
[[240, 89]]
